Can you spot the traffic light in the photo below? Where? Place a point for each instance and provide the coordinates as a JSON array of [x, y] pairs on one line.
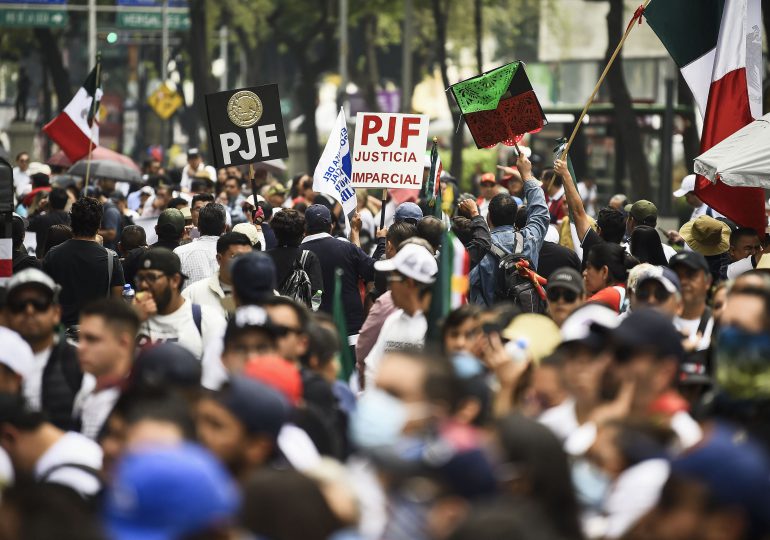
[[112, 37]]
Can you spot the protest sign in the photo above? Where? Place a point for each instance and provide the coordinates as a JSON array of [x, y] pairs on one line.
[[246, 126], [389, 150], [148, 224]]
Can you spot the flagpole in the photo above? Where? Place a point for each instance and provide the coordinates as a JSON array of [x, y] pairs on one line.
[[637, 16], [93, 116]]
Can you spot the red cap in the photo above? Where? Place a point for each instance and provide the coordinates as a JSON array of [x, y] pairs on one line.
[[488, 177], [278, 373]]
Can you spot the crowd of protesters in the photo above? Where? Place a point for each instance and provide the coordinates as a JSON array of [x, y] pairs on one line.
[[197, 387]]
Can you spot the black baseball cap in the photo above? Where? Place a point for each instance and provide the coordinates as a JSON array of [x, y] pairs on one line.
[[167, 363], [690, 259], [260, 408], [567, 278], [160, 258], [253, 276], [648, 329]]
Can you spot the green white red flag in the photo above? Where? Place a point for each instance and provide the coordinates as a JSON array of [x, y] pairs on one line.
[[717, 45]]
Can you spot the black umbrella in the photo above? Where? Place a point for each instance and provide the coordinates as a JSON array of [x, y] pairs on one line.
[[106, 169]]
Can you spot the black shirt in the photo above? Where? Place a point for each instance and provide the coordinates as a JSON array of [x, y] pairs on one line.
[[80, 267], [590, 240], [23, 260], [168, 244], [41, 223], [554, 256]]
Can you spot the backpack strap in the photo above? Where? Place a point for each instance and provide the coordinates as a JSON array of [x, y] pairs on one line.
[[303, 259], [198, 318], [110, 265], [497, 251], [704, 320], [518, 246]]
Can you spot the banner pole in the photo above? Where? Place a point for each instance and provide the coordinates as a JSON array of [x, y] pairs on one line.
[[382, 208], [637, 16], [93, 112]]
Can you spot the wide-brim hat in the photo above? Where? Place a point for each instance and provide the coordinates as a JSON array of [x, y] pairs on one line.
[[706, 235]]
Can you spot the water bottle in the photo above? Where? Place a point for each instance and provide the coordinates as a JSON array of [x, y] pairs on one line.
[[128, 293], [315, 301]]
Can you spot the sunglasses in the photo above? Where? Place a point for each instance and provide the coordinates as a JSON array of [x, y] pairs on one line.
[[20, 306], [555, 294], [395, 278], [661, 295]]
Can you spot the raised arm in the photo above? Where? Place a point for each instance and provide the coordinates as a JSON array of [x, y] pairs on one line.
[[537, 211], [574, 201]]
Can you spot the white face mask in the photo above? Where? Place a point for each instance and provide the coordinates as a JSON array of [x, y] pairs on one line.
[[378, 420], [591, 483]]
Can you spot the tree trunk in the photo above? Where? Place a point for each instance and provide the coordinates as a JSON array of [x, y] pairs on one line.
[[440, 16], [372, 75], [200, 63], [51, 53], [477, 22], [690, 139], [628, 134], [307, 98]]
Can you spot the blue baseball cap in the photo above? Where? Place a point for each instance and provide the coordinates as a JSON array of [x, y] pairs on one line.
[[317, 217], [408, 212], [734, 468], [165, 493], [253, 276]]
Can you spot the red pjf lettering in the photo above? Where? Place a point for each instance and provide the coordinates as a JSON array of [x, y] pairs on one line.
[[391, 134], [408, 131], [372, 124]]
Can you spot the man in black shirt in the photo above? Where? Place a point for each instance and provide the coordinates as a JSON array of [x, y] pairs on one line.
[[53, 215], [85, 270], [21, 259]]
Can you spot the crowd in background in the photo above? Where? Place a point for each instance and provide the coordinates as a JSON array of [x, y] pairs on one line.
[[602, 377]]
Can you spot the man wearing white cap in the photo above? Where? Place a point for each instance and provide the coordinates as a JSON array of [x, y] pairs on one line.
[[15, 358], [411, 272], [687, 190]]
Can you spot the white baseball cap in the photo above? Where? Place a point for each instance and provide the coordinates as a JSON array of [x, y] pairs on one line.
[[688, 185], [577, 327], [413, 261], [15, 353]]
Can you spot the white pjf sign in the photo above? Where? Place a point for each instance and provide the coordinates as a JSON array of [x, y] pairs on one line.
[[389, 150]]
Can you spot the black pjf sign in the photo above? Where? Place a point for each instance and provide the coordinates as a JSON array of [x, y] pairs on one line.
[[246, 126]]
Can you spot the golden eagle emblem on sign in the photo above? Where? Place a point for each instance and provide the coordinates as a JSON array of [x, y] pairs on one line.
[[244, 109]]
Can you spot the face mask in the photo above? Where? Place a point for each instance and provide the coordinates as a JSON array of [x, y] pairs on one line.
[[466, 365], [378, 420], [591, 483], [743, 363]]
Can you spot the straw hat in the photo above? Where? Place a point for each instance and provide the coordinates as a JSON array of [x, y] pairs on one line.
[[528, 325], [706, 235]]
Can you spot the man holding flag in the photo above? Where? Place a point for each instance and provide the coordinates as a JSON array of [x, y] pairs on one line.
[[334, 170]]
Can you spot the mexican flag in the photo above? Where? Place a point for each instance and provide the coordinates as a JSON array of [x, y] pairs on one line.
[[76, 129], [717, 45], [450, 290], [499, 106]]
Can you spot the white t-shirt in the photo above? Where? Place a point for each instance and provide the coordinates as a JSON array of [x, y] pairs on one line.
[[93, 407], [72, 448], [690, 328], [561, 420], [32, 385], [399, 331], [21, 181], [179, 327]]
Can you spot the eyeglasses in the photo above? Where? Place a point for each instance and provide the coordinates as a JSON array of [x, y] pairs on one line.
[[148, 277], [20, 306], [555, 294], [660, 294]]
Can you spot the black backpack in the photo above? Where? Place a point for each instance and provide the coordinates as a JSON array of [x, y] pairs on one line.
[[297, 285], [510, 285]]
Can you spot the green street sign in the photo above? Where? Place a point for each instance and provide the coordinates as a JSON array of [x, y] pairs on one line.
[[31, 18], [152, 20]]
